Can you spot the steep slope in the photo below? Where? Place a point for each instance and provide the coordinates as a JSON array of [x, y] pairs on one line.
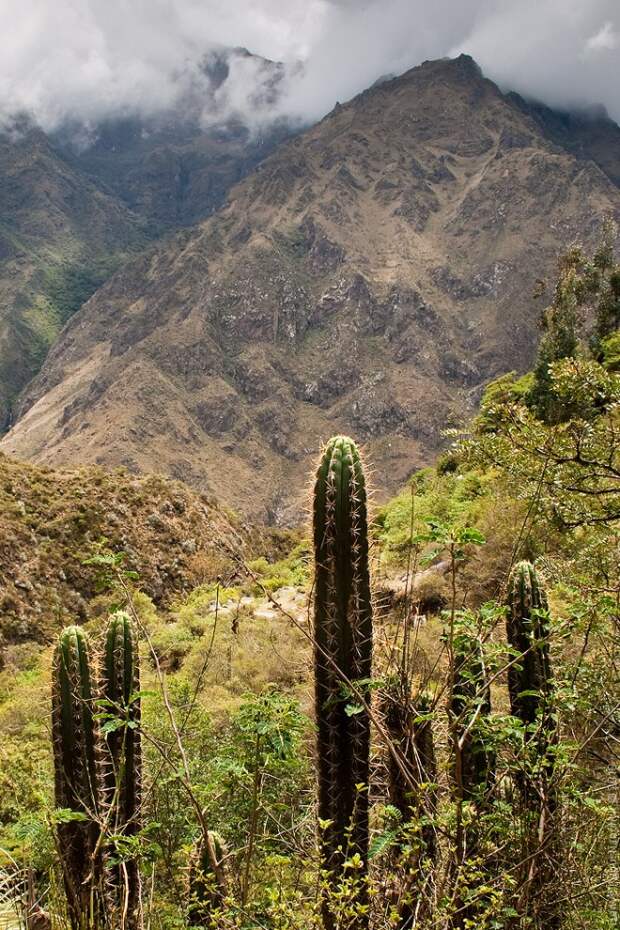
[[368, 277], [51, 522], [60, 238], [75, 204], [590, 134], [171, 172]]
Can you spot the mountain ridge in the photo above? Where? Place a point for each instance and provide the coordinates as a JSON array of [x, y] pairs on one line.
[[368, 277]]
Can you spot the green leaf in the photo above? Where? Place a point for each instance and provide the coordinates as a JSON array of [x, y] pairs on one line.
[[352, 709]]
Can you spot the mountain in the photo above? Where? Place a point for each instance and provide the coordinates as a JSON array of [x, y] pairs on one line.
[[175, 168], [60, 238], [368, 277], [170, 171], [588, 134], [74, 204]]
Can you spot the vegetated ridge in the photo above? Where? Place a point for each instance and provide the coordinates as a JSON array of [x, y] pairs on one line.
[[52, 523]]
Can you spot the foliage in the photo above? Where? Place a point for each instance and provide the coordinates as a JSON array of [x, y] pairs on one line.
[[491, 783], [587, 290]]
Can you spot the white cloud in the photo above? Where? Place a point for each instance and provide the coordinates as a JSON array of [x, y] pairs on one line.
[[89, 59], [605, 39]]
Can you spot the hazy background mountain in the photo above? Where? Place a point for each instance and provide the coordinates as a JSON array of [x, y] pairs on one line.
[[369, 276], [76, 202], [61, 236]]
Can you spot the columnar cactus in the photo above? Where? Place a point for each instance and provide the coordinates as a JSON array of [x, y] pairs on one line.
[[411, 790], [411, 778], [530, 684], [474, 762], [207, 877], [78, 779], [343, 652], [120, 686], [529, 679]]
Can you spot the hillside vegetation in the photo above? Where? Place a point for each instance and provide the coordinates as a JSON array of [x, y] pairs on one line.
[[53, 524], [468, 781]]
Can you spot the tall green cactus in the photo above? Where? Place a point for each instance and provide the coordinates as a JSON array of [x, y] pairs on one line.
[[207, 878], [412, 791], [78, 772], [529, 679], [474, 762], [120, 686], [530, 685], [343, 652]]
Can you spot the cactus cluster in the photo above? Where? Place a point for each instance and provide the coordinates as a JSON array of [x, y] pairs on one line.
[[97, 778], [343, 652]]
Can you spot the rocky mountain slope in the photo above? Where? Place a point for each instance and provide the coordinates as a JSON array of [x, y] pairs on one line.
[[368, 277]]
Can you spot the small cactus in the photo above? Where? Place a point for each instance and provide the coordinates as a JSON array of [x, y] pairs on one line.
[[207, 877], [410, 731], [529, 679], [119, 686], [78, 772], [343, 647], [412, 791], [530, 685], [474, 763]]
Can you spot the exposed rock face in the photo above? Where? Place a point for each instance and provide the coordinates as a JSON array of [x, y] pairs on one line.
[[368, 277]]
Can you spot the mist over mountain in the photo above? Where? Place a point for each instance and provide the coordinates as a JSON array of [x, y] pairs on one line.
[[367, 277], [86, 63], [78, 201]]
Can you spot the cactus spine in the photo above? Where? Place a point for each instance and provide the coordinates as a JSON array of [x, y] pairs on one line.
[[207, 877], [530, 684], [120, 683], [343, 651], [78, 779]]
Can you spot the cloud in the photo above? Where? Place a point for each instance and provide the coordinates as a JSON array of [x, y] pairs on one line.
[[606, 38], [86, 60]]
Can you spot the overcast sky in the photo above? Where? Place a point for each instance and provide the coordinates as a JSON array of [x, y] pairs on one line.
[[88, 59]]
